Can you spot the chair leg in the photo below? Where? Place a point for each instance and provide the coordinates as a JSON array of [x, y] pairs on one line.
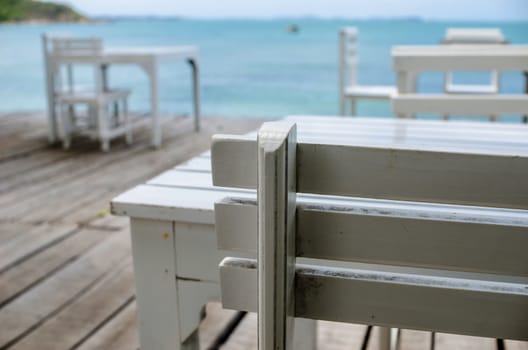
[[103, 121], [105, 145], [342, 105], [65, 120], [116, 112], [353, 107], [128, 127]]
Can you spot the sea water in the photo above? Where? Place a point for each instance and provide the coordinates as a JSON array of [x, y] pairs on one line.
[[253, 68]]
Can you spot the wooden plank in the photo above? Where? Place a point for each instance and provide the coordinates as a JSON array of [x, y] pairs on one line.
[[10, 230], [515, 345], [415, 340], [330, 335], [72, 325], [39, 267], [30, 242], [460, 57], [73, 190], [460, 104], [328, 233], [381, 236], [216, 318], [445, 341], [340, 336], [119, 333], [245, 335], [398, 174], [276, 235], [29, 311], [379, 338], [392, 299]]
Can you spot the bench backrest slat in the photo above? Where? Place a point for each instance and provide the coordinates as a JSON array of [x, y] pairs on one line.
[[385, 299], [76, 46], [399, 174], [325, 232], [466, 105]]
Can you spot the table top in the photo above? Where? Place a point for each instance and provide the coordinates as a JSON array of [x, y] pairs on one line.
[[186, 193], [134, 54], [464, 57]]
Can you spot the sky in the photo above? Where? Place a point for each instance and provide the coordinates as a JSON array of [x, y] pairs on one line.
[[428, 9]]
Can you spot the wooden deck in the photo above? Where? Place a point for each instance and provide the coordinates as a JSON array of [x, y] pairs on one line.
[[66, 278]]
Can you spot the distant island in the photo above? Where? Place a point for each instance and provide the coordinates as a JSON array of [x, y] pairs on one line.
[[38, 11]]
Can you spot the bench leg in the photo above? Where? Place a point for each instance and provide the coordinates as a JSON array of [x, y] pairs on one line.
[[156, 287], [65, 122]]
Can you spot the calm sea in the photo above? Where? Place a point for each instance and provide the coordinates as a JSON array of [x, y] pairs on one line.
[[248, 67]]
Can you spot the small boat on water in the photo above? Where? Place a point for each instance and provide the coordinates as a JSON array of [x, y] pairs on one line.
[[293, 28]]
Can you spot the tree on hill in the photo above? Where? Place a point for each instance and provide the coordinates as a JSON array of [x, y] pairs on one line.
[[32, 10]]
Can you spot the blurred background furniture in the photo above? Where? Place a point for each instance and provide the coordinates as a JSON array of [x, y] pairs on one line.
[[472, 36], [409, 61], [106, 112], [349, 89], [147, 58]]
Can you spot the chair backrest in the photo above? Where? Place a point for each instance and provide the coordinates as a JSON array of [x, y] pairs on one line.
[[76, 46], [444, 269], [64, 45], [487, 36], [474, 36], [464, 104], [348, 57]]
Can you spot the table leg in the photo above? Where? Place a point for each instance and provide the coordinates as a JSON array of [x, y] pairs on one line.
[[50, 98], [196, 92], [406, 84], [525, 117], [154, 104]]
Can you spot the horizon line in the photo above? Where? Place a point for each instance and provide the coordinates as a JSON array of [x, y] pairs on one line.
[[302, 17]]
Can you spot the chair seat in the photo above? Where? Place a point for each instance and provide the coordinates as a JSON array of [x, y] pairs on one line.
[[471, 89], [92, 97], [371, 91]]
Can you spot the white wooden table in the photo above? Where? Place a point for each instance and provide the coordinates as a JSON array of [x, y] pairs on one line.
[[148, 58], [409, 61], [172, 219]]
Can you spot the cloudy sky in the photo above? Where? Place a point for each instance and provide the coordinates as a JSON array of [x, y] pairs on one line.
[[428, 9]]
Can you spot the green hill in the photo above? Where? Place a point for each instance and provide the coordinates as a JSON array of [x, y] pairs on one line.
[[38, 11]]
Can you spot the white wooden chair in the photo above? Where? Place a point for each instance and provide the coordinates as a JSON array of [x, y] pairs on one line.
[[349, 89], [99, 121], [473, 36], [457, 268]]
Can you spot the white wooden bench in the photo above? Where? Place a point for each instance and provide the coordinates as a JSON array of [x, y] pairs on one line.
[[173, 221], [451, 272], [410, 61]]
